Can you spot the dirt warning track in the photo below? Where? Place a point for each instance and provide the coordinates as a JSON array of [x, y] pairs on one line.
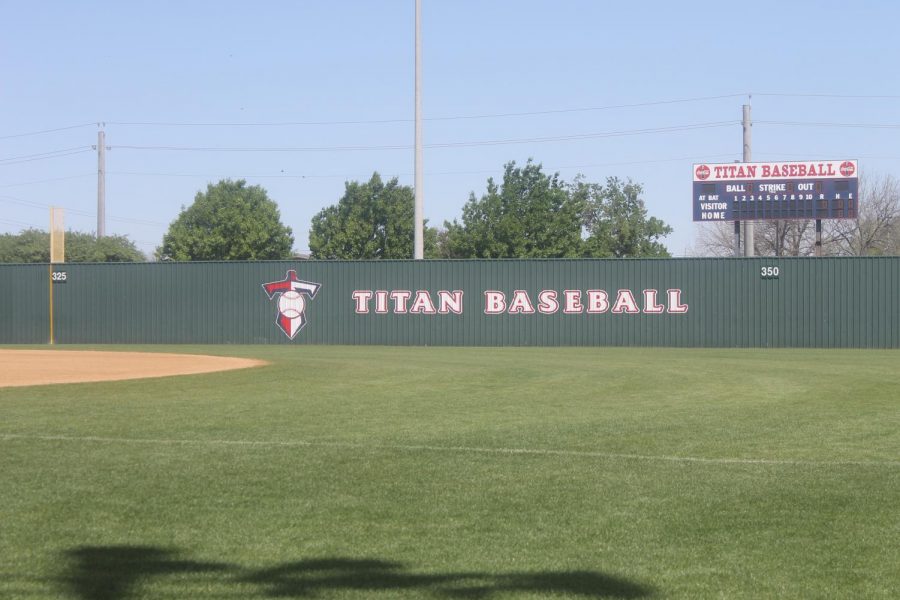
[[41, 367]]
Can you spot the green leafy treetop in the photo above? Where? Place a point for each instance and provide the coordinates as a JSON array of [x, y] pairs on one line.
[[529, 215], [371, 220], [230, 221], [535, 215], [33, 245], [616, 221]]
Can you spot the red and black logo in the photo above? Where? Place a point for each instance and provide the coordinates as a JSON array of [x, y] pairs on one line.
[[291, 301]]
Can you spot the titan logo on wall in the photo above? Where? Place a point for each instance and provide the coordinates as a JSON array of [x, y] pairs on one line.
[[291, 305]]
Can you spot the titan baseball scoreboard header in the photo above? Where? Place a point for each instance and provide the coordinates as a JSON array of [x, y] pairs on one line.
[[827, 189]]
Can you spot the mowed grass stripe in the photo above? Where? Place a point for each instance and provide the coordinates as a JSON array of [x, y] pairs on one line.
[[492, 473], [779, 405], [449, 449]]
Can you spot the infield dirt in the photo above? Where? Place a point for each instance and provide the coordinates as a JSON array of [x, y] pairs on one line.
[[42, 367]]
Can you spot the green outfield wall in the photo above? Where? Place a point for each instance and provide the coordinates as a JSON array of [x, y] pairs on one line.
[[728, 302]]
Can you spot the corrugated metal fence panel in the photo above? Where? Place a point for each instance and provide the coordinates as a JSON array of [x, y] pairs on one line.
[[166, 303], [24, 304], [826, 302]]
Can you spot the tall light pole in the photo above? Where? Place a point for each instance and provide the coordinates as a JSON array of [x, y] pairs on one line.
[[419, 226]]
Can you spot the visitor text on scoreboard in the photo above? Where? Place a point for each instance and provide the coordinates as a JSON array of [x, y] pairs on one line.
[[756, 191]]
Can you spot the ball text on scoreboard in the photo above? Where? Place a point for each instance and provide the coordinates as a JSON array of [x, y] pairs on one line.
[[757, 191]]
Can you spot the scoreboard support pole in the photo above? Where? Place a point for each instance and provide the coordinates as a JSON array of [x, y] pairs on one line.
[[818, 237], [737, 239]]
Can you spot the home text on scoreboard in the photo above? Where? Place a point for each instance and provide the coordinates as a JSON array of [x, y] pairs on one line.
[[827, 189]]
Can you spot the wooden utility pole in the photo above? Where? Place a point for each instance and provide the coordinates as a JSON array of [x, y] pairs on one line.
[[749, 241], [101, 183]]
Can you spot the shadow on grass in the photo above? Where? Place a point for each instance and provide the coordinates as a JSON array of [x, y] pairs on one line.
[[115, 572], [308, 578]]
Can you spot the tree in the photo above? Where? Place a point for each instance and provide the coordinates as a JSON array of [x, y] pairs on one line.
[[785, 238], [529, 215], [84, 247], [371, 220], [33, 245], [772, 238], [28, 246], [616, 221], [230, 221], [876, 230]]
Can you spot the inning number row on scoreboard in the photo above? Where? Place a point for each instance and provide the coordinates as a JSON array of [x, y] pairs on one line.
[[786, 199]]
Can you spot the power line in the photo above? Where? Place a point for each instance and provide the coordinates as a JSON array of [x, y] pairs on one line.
[[75, 211], [45, 157], [43, 131], [649, 162], [18, 223], [853, 154], [444, 118], [455, 117], [584, 136], [831, 124], [231, 176], [135, 221], [587, 109], [42, 154], [429, 173], [490, 115], [37, 181], [836, 96], [15, 160], [498, 142]]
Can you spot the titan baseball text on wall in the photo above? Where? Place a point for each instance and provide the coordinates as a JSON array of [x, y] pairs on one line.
[[520, 302]]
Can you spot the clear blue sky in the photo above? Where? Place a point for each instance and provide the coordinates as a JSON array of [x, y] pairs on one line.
[[77, 63]]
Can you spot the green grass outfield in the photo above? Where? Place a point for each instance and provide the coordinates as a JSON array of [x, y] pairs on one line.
[[372, 472]]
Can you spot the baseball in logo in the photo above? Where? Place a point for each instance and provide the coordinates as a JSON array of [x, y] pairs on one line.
[[292, 296], [847, 168], [702, 172]]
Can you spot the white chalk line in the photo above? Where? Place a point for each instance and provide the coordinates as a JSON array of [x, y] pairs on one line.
[[455, 449]]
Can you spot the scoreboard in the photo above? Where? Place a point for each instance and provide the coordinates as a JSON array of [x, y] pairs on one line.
[[778, 190]]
